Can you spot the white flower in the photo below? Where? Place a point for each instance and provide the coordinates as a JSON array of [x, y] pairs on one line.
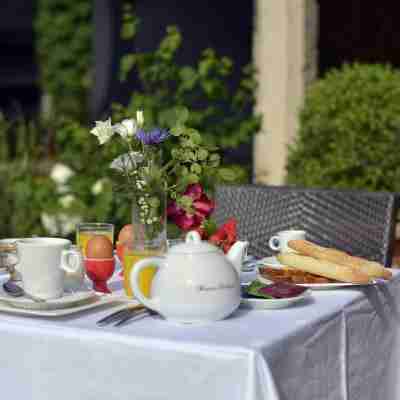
[[127, 161], [127, 128], [139, 118], [98, 187], [67, 200], [103, 130], [49, 223], [60, 173], [62, 189], [60, 224]]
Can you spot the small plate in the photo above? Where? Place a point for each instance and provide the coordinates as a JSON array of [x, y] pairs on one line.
[[264, 304]]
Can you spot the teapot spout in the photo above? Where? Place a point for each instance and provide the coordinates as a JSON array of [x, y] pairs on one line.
[[237, 253]]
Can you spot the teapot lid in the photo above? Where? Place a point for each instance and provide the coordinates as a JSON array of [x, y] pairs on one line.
[[193, 245]]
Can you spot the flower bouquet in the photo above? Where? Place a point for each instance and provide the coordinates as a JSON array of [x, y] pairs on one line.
[[167, 172]]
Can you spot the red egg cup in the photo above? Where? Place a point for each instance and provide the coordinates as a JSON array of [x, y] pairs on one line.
[[99, 271]]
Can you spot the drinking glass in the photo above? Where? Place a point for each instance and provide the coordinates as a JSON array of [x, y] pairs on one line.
[[86, 230], [132, 255]]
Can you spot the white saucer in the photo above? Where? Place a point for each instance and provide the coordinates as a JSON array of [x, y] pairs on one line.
[[264, 304], [69, 300]]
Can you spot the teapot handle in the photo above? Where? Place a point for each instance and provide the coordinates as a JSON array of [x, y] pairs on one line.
[[153, 303]]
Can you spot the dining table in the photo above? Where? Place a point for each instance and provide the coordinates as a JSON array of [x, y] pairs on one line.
[[339, 344]]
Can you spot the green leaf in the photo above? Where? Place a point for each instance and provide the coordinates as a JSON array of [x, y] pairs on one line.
[[202, 154], [154, 202], [193, 178], [177, 130], [128, 30], [182, 115], [227, 174], [188, 78], [210, 226], [196, 168], [254, 290], [185, 201], [127, 62], [184, 171], [194, 135]]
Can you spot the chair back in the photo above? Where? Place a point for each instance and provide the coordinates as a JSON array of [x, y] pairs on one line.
[[359, 222]]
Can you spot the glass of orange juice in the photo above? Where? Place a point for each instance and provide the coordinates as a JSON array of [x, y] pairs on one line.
[[85, 231], [132, 254]]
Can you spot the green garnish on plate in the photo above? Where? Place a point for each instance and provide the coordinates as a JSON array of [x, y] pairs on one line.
[[254, 290]]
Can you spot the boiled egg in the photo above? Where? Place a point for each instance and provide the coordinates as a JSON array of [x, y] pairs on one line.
[[99, 246]]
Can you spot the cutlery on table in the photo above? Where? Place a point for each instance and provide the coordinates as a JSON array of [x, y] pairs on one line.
[[136, 315], [118, 315]]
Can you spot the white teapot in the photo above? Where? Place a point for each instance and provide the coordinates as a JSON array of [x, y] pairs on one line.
[[195, 282]]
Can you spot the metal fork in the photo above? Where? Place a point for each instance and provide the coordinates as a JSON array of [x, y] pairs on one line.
[[135, 316], [117, 315]]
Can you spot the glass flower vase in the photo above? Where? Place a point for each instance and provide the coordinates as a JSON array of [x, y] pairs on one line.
[[148, 222]]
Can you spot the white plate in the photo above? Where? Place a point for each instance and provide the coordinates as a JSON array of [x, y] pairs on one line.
[[97, 302], [318, 286], [264, 304]]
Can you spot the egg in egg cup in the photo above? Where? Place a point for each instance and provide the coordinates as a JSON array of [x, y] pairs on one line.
[[99, 262]]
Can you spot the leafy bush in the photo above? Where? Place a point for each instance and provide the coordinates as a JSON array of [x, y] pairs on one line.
[[63, 42], [58, 175], [350, 131], [223, 114], [41, 194]]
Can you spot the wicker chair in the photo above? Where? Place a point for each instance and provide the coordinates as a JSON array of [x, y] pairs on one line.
[[358, 222]]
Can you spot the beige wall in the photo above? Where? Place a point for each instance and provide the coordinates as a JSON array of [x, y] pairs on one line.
[[285, 55]]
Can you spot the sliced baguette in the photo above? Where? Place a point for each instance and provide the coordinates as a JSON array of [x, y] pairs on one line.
[[371, 268], [326, 269]]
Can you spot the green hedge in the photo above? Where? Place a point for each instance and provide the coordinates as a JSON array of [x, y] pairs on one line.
[[350, 131]]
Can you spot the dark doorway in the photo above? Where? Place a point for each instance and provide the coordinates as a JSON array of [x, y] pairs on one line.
[[358, 30], [223, 25], [18, 69]]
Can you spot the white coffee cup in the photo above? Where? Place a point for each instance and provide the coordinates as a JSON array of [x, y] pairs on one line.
[[279, 242], [43, 264]]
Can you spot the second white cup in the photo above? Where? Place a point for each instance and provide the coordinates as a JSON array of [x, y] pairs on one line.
[[279, 242]]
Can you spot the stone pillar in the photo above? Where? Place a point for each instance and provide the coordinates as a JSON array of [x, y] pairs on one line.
[[285, 55]]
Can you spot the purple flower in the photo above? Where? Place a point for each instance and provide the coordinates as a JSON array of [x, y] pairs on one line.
[[155, 136]]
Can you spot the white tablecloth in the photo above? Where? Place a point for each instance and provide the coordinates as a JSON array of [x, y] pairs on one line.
[[339, 345]]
